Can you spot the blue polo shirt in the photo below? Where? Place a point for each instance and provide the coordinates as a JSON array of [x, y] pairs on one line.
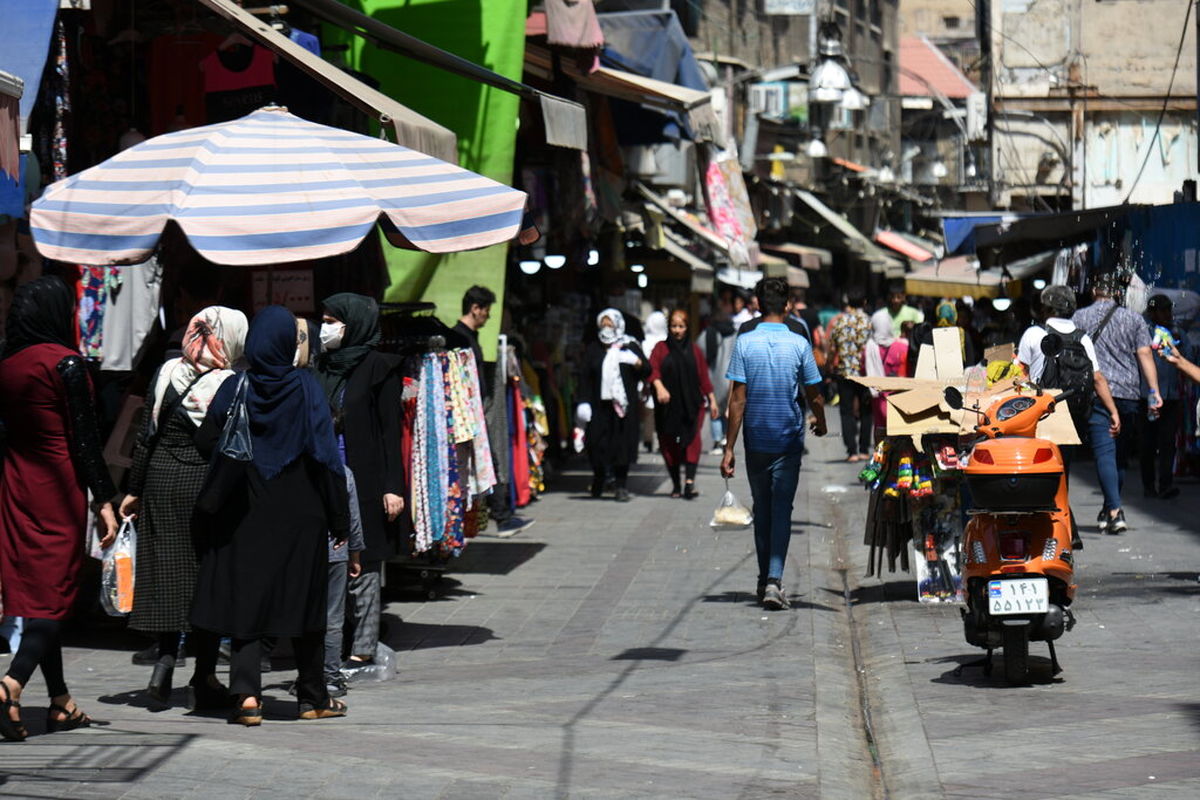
[[775, 364]]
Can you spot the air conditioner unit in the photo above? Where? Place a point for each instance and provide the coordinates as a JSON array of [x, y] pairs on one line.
[[769, 99]]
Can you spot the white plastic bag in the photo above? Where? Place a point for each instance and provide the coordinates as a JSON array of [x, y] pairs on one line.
[[117, 570], [731, 515]]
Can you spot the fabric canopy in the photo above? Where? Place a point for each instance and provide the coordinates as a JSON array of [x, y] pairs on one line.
[[712, 238], [904, 247], [811, 258], [411, 129], [270, 188], [961, 276], [855, 239], [25, 45]]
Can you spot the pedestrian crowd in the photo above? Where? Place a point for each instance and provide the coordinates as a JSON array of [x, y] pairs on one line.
[[264, 481]]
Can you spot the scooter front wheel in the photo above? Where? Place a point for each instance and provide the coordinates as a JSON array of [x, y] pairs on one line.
[[1016, 653]]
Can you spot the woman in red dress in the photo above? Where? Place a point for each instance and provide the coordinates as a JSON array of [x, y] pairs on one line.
[[53, 458], [681, 383]]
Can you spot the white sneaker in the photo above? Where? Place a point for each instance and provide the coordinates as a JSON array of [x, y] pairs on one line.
[[774, 598]]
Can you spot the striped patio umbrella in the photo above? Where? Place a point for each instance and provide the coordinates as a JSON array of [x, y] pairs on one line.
[[270, 188]]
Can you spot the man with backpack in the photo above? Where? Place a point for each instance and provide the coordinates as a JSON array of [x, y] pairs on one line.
[[1074, 367], [1122, 344]]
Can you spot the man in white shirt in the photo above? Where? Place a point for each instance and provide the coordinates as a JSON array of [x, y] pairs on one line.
[[1058, 304]]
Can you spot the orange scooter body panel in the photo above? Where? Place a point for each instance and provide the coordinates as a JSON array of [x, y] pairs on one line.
[[1023, 477]]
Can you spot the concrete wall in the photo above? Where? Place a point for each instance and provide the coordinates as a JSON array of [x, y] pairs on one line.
[[1123, 49], [1117, 144], [929, 18], [736, 28]]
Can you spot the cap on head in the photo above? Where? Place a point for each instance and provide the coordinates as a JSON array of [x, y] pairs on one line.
[[1159, 302], [1059, 300]]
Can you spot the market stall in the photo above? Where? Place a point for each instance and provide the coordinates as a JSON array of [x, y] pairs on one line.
[[918, 502]]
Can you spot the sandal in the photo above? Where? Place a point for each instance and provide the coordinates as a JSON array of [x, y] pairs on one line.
[[250, 716], [334, 708], [10, 730], [75, 718]]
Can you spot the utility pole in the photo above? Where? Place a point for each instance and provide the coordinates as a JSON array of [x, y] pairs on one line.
[[983, 29]]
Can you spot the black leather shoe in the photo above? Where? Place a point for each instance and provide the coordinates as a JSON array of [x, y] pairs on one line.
[[160, 681]]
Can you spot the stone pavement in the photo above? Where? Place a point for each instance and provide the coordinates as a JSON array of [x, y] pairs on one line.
[[615, 651]]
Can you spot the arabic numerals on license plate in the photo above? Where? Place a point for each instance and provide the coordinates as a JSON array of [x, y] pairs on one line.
[[1018, 596]]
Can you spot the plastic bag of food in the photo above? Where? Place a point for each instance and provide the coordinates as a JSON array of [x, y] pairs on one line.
[[116, 573], [731, 515]]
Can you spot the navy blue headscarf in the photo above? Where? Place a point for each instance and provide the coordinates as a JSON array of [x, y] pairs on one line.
[[289, 415]]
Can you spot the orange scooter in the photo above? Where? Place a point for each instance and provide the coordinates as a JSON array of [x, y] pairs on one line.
[[1019, 568]]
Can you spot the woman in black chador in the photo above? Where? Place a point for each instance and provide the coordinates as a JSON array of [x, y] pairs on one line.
[[263, 554], [364, 387], [612, 367]]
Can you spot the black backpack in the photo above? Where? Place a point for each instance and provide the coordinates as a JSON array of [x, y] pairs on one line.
[[1071, 369]]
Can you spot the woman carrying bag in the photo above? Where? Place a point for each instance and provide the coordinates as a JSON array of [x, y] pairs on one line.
[[164, 482], [682, 386], [53, 459], [612, 367], [263, 541]]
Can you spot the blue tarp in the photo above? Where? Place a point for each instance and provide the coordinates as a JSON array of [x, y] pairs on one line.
[[1162, 242], [960, 232], [25, 43], [651, 44]]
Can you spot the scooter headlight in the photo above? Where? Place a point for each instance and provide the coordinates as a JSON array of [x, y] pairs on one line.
[[1050, 551]]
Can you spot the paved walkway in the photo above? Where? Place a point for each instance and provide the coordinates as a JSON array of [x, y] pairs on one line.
[[615, 651]]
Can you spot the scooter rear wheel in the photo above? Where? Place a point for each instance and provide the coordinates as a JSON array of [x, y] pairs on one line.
[[1016, 654]]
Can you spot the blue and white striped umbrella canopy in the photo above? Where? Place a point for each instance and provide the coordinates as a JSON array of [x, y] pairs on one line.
[[269, 188]]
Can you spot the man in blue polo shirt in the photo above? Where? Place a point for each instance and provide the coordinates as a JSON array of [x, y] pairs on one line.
[[769, 368]]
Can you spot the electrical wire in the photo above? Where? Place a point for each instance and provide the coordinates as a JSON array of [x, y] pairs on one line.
[[1166, 99]]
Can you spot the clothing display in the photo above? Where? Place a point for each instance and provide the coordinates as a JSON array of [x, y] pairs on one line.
[[130, 313], [451, 461], [237, 81]]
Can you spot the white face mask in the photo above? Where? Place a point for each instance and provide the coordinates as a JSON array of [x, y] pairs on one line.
[[331, 335]]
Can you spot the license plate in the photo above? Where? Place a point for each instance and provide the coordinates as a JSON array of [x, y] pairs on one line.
[[1018, 596]]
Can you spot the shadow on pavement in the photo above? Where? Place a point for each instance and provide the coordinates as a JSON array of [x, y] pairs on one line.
[[650, 654], [891, 592], [48, 765], [750, 601], [422, 636], [973, 676]]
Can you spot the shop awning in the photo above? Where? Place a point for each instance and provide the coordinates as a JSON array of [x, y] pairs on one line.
[[712, 238], [797, 278], [904, 247], [702, 272], [566, 121], [25, 43], [771, 266], [961, 276], [812, 258], [412, 130], [11, 89], [693, 104], [1059, 230], [855, 239]]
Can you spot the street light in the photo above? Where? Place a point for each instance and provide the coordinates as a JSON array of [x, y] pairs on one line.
[[530, 267], [829, 82], [555, 262], [854, 100], [816, 148]]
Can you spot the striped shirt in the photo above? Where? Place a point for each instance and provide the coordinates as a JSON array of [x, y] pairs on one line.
[[775, 364]]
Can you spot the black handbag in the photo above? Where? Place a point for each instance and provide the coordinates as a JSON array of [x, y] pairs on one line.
[[227, 470]]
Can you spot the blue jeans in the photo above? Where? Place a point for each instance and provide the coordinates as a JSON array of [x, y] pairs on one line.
[[773, 479], [717, 427], [1112, 454]]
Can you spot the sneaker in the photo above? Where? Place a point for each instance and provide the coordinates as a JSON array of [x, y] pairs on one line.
[[761, 592], [717, 451], [512, 526], [774, 598], [1102, 520], [1116, 525], [623, 495]]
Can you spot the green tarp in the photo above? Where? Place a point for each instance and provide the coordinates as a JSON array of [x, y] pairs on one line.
[[490, 33]]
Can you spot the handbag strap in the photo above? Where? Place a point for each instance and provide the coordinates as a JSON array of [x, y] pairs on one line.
[[171, 409], [1104, 322]]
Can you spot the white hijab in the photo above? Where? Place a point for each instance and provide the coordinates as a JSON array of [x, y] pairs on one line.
[[656, 331], [881, 336], [611, 386], [214, 342]]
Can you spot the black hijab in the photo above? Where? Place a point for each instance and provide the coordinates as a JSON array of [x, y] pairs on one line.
[[677, 420], [42, 313], [361, 315], [288, 414]]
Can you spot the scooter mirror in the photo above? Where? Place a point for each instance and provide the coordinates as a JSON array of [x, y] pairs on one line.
[[1052, 344], [954, 398]]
